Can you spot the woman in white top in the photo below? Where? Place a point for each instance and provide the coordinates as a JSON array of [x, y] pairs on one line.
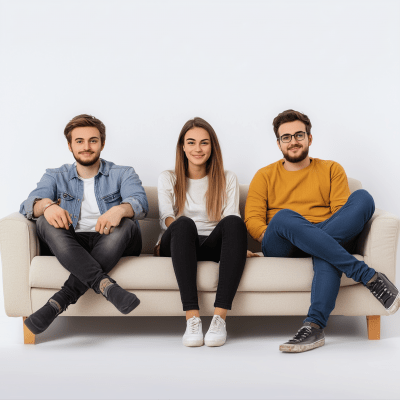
[[200, 220]]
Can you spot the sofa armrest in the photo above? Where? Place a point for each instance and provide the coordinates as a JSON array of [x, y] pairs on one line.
[[378, 242], [18, 245]]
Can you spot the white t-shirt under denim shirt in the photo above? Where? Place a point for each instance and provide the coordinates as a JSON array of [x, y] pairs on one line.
[[90, 212], [195, 206]]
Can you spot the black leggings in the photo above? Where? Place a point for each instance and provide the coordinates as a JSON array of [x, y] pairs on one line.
[[227, 244]]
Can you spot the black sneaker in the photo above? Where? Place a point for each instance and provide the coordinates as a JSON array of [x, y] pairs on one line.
[[306, 338], [40, 320], [385, 292], [124, 301]]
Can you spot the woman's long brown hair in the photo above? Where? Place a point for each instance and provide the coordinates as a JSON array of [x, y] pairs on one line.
[[216, 192]]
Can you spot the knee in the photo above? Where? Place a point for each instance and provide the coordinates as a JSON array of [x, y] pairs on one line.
[[42, 224], [234, 222], [127, 223], [285, 219], [363, 197], [127, 227], [362, 194], [284, 216], [185, 223]]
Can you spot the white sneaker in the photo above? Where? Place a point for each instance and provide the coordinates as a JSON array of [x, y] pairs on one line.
[[216, 335], [193, 336]]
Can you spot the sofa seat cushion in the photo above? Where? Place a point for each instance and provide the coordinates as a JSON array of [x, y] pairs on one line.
[[261, 274]]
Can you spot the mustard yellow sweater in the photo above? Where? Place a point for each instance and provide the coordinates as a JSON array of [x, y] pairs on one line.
[[315, 192]]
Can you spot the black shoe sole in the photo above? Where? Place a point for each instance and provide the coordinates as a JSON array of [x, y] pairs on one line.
[[32, 327], [131, 307]]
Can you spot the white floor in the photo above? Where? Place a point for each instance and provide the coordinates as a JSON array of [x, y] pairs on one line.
[[143, 358]]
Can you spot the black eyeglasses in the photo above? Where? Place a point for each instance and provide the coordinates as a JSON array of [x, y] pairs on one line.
[[287, 138]]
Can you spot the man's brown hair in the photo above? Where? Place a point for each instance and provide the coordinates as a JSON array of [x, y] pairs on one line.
[[290, 116], [85, 120]]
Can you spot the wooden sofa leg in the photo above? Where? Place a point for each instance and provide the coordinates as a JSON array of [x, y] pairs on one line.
[[374, 327], [29, 337]]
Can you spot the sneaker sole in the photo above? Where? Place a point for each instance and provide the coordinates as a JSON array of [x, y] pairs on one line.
[[215, 343], [193, 343], [395, 306], [32, 327], [300, 348], [131, 307]]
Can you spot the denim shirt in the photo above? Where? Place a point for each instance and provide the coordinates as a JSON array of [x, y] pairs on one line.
[[113, 185]]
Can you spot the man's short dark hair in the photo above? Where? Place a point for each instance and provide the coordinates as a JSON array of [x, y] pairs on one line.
[[85, 120], [290, 116]]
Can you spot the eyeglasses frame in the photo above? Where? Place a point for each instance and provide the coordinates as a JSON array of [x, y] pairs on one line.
[[291, 136]]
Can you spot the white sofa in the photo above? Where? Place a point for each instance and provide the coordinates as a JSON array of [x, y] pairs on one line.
[[269, 286]]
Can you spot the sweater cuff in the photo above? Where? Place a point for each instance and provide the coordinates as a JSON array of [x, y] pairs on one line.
[[259, 231]]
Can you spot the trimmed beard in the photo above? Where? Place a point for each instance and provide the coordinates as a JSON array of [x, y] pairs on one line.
[[87, 163], [298, 158]]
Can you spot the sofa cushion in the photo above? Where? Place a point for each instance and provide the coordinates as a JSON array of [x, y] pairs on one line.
[[157, 273]]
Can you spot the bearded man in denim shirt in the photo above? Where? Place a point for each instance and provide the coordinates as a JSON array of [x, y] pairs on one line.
[[87, 215]]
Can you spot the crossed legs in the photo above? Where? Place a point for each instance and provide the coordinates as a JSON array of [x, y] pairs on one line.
[[89, 256], [291, 235], [101, 251]]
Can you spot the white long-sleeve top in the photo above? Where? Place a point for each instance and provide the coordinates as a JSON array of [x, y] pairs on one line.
[[195, 206]]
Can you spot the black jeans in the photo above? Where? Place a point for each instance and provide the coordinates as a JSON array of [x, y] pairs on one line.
[[227, 244], [89, 256]]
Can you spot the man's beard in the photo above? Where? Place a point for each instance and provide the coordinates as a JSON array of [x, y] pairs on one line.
[[87, 163], [298, 158]]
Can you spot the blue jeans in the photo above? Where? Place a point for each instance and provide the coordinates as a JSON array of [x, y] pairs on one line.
[[328, 242]]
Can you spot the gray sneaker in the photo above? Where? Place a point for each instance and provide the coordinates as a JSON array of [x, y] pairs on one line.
[[386, 293], [306, 338]]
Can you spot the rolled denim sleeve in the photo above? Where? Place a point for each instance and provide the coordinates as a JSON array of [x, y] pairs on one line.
[[46, 189], [132, 192]]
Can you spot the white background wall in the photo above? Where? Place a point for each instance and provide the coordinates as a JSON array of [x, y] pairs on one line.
[[145, 68]]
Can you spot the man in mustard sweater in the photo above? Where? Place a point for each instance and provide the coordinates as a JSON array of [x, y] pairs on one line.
[[302, 206]]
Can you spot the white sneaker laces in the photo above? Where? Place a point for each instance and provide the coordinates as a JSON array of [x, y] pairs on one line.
[[193, 324], [301, 334], [216, 324]]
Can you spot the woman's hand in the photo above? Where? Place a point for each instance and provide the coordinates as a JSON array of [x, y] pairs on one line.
[[156, 250], [251, 254]]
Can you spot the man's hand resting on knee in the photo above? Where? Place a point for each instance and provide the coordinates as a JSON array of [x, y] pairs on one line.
[[54, 214], [57, 217], [112, 218]]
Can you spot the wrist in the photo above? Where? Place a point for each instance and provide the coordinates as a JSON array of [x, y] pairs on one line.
[[126, 210], [38, 205], [52, 203]]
